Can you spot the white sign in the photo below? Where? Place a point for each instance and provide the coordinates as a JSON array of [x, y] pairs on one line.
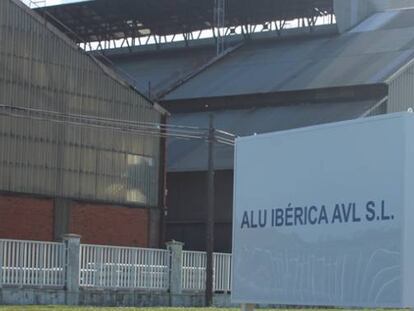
[[324, 215]]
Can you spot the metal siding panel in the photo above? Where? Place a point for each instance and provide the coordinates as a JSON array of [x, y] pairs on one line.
[[401, 91], [184, 156], [38, 69]]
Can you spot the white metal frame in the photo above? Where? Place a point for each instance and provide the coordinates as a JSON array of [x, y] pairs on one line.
[[43, 264], [193, 276], [124, 267], [32, 263]]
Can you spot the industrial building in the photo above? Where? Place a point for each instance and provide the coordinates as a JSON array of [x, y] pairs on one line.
[[338, 60], [68, 164]]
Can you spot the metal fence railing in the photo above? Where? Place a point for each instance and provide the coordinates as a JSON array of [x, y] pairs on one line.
[[123, 267], [222, 272], [193, 270], [32, 263], [193, 275], [43, 264]]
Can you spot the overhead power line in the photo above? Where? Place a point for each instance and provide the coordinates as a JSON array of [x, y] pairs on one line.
[[128, 126]]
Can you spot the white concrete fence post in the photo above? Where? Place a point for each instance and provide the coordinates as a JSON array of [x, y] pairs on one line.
[[176, 252], [72, 245]]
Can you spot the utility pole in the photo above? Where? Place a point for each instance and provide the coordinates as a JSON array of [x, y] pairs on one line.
[[210, 214], [219, 24]]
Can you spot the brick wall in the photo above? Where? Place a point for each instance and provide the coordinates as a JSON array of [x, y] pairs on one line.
[[26, 218], [110, 225]]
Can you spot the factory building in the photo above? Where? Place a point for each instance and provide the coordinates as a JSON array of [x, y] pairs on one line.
[[281, 84], [67, 162], [357, 65]]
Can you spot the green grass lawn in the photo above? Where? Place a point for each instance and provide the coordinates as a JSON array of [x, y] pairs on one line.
[[64, 308]]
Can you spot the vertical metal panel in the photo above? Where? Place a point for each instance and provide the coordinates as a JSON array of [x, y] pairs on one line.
[[41, 70], [401, 91]]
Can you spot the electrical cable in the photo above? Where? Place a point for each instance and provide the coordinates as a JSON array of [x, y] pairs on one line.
[[140, 128]]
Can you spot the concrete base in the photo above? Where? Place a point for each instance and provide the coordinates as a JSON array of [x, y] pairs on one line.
[[122, 298], [108, 298], [32, 296], [125, 298]]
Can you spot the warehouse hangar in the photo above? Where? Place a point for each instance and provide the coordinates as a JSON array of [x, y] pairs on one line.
[[66, 164], [259, 68]]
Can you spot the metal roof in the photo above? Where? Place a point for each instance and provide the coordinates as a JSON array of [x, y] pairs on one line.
[[154, 72], [191, 155], [368, 55], [97, 20], [162, 69]]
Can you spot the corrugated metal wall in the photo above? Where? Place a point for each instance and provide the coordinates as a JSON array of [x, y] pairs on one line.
[[187, 212], [40, 69], [401, 91], [378, 110]]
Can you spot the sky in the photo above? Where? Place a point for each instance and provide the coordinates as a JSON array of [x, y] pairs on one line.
[[52, 2]]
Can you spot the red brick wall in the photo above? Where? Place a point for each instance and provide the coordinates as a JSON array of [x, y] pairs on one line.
[[110, 225], [26, 218]]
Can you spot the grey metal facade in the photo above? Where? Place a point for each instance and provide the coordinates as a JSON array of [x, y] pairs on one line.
[[41, 69], [187, 155], [401, 90]]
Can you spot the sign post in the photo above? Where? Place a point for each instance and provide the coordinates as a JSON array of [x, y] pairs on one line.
[[210, 215]]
